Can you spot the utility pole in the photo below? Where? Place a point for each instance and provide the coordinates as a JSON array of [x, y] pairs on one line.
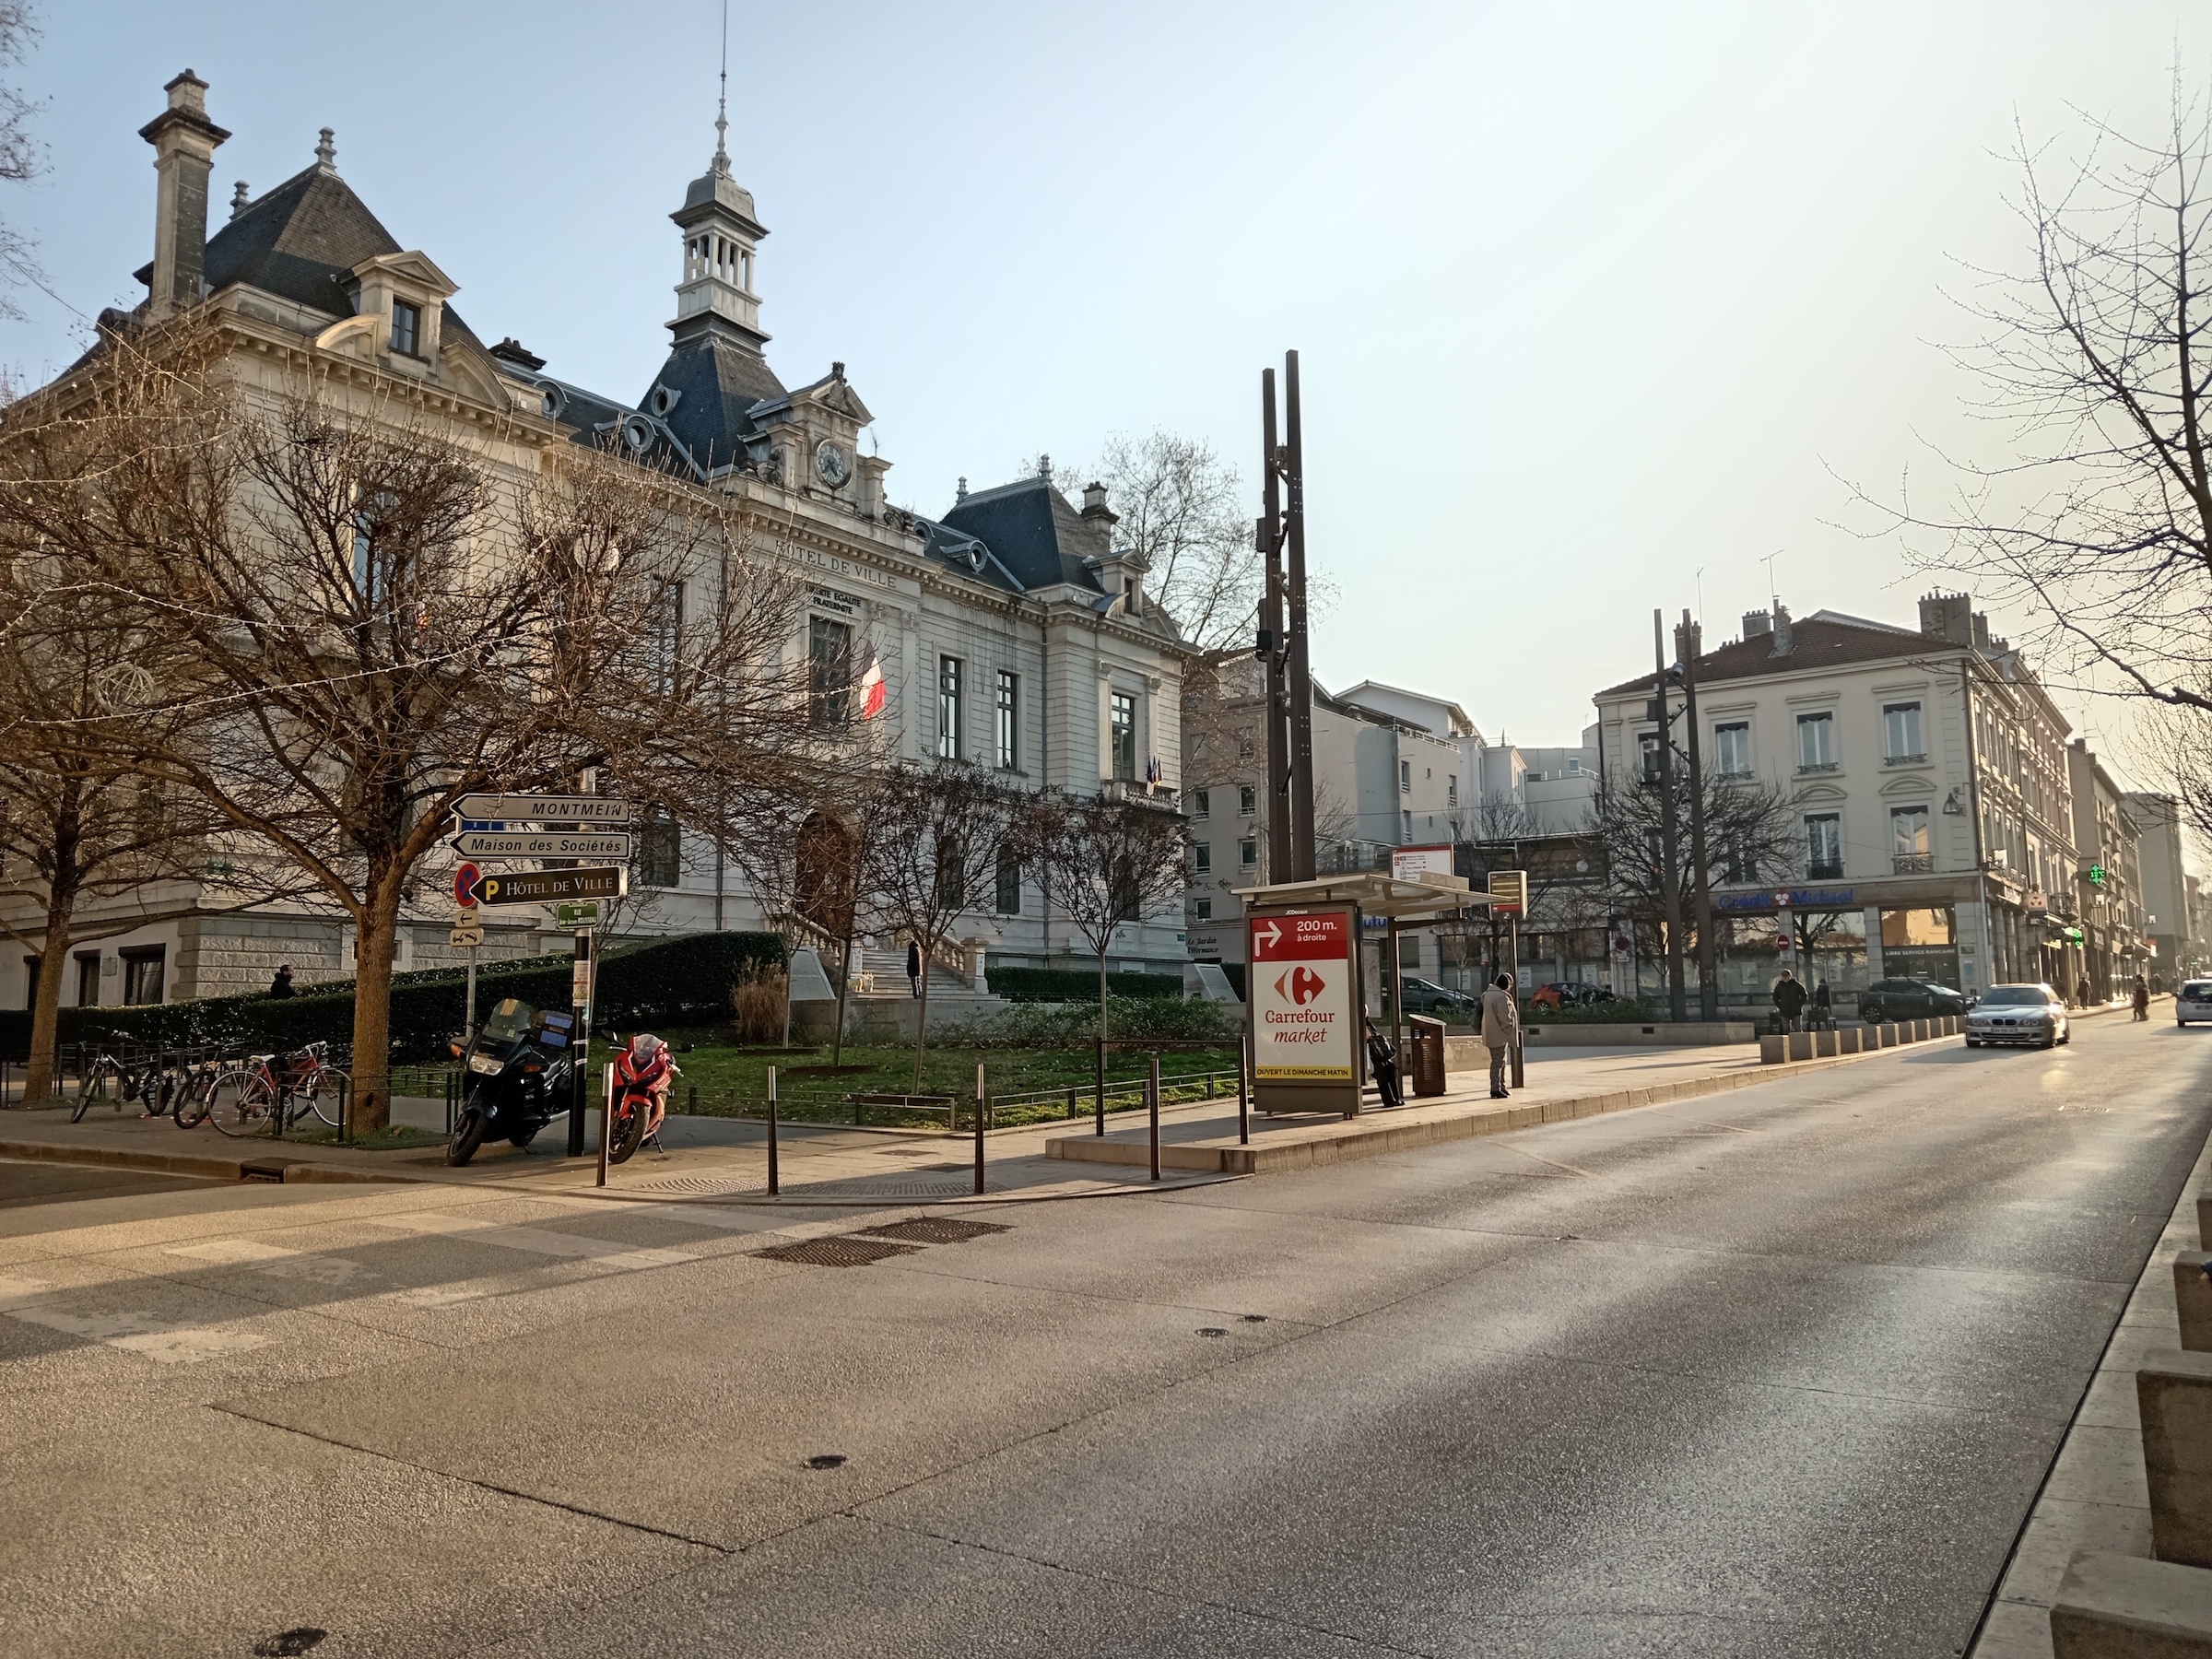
[[1670, 888], [1272, 642], [1688, 639], [1300, 663]]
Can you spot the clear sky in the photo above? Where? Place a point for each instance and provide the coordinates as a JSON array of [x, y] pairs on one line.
[[1589, 298]]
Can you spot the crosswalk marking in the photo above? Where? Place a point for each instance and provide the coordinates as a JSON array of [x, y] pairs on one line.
[[273, 1260], [539, 1241], [136, 1333]]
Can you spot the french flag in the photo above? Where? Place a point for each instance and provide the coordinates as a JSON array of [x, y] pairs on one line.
[[871, 686]]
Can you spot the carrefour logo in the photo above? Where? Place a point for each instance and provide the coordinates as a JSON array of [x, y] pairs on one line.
[[1300, 986]]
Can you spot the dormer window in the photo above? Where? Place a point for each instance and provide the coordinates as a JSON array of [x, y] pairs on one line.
[[406, 328]]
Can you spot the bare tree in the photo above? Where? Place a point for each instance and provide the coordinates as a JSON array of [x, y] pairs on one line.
[[358, 620], [22, 156], [933, 841], [1107, 862], [1751, 835], [78, 824], [2096, 358]]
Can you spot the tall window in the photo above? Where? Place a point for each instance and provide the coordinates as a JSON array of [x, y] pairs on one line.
[[1248, 800], [1451, 795], [828, 671], [1123, 725], [1738, 860], [665, 624], [406, 327], [1901, 733], [1206, 909], [1823, 845], [1817, 742], [1910, 846], [1647, 746], [1732, 750], [87, 979], [1248, 852], [143, 974], [949, 708], [1405, 777], [1201, 804], [661, 851], [1203, 858], [1009, 882], [1009, 724]]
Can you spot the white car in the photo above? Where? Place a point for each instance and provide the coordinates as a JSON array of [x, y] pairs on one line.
[[2034, 1015], [2192, 1002]]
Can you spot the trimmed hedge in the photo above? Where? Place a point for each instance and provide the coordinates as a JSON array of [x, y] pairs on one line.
[[680, 981], [1078, 984]]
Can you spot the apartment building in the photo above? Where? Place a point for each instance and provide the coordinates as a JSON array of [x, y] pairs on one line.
[[1925, 773]]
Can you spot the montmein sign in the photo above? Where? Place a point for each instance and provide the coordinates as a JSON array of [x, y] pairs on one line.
[[544, 809], [1304, 1024]]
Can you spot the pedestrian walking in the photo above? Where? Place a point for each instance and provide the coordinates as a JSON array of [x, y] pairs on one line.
[[1789, 999], [1824, 1008], [282, 984], [913, 965], [2141, 998], [2082, 994], [1501, 1026]]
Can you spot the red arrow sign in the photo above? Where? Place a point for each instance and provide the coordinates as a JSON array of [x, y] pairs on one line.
[[466, 877]]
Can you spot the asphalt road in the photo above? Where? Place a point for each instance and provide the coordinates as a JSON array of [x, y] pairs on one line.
[[1772, 1373]]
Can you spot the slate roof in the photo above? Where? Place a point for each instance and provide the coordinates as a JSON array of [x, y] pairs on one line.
[[1816, 643], [716, 381], [1037, 534], [298, 241]]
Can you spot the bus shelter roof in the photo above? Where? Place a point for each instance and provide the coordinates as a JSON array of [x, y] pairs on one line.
[[1427, 897]]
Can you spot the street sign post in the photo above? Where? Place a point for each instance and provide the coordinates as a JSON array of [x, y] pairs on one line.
[[552, 887], [584, 913], [542, 843], [544, 809], [1509, 892], [466, 935], [466, 877], [1303, 994]]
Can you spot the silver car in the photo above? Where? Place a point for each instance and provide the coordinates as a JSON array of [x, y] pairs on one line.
[[2033, 1014], [2192, 1002]]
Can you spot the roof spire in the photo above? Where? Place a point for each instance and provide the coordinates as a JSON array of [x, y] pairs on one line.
[[721, 104], [326, 151]]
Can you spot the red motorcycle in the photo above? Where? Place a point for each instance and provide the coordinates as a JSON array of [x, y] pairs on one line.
[[638, 1102]]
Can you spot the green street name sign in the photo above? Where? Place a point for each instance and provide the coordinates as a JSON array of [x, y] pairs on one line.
[[576, 916]]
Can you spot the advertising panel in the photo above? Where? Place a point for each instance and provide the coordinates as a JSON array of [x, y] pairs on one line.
[[1410, 864], [1303, 991]]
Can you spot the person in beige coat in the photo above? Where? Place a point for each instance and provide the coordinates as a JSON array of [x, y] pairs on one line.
[[1501, 1025]]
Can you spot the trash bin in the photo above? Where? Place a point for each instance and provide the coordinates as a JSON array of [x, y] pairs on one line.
[[1425, 1053]]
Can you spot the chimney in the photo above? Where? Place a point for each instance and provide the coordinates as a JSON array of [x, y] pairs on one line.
[[1982, 629], [1948, 617], [1784, 644], [1094, 500], [183, 140], [1758, 625]]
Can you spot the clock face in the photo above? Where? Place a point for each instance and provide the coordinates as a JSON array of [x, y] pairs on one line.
[[830, 462]]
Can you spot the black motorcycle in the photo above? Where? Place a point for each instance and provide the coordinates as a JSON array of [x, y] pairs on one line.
[[518, 1068]]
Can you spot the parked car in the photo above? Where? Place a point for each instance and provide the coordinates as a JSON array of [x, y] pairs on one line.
[[1562, 994], [1424, 996], [2192, 1002], [2033, 1014], [1893, 999]]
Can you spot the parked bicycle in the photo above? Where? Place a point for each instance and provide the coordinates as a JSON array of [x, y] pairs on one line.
[[265, 1096], [103, 1067]]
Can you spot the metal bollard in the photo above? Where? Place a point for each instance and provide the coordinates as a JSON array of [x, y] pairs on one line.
[[1152, 1106], [1244, 1094], [980, 1098], [772, 1185]]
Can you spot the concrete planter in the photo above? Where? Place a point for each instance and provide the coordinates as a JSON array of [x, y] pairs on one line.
[[1850, 1039], [1801, 1045], [1827, 1042], [1886, 1035], [1772, 1049]]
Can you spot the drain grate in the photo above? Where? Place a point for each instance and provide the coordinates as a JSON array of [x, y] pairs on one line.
[[877, 1187], [932, 1229], [836, 1253], [700, 1183]]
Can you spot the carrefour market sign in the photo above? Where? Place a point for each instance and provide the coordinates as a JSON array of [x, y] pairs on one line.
[[1303, 990]]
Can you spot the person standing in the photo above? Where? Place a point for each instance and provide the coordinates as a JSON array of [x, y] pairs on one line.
[[2141, 998], [1824, 1008], [913, 965], [1789, 999], [282, 984], [1501, 1025], [2083, 996]]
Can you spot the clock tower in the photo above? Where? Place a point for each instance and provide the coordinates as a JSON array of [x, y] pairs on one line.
[[720, 236]]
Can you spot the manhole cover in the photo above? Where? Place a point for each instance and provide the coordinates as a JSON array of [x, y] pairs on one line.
[[932, 1229], [871, 1187], [287, 1644], [836, 1253], [827, 1460], [700, 1183]]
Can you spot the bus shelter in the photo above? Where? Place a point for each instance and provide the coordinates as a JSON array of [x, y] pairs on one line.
[[1304, 1002]]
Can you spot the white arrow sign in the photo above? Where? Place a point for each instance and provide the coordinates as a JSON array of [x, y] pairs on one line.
[[1270, 934], [543, 844], [545, 809]]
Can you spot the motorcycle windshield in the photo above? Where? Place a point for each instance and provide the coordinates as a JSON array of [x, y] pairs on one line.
[[508, 1020]]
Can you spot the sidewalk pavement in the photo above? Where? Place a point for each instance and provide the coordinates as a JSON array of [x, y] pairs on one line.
[[724, 1159], [2096, 1495]]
